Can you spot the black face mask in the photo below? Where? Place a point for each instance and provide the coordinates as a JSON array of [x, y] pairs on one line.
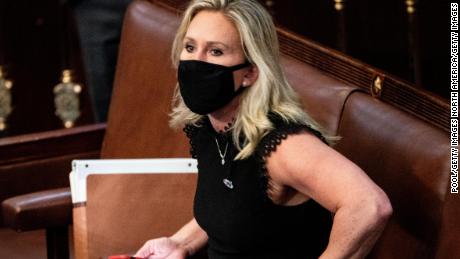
[[207, 87]]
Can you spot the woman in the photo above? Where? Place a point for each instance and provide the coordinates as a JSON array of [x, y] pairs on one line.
[[269, 186]]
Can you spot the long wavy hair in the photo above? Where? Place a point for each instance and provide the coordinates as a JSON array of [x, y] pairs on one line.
[[270, 93]]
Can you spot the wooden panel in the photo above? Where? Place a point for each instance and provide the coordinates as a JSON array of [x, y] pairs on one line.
[[54, 143], [42, 161], [33, 57], [396, 92]]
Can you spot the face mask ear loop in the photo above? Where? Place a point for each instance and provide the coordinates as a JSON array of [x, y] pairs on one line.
[[235, 68], [240, 66]]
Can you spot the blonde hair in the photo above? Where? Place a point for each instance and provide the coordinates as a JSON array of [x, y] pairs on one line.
[[270, 92]]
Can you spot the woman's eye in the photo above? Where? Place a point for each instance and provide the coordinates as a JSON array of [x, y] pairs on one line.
[[216, 52], [189, 48]]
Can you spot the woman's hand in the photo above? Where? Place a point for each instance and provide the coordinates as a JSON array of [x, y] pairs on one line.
[[185, 242], [162, 248]]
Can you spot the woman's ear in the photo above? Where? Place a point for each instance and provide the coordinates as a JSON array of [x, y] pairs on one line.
[[251, 75]]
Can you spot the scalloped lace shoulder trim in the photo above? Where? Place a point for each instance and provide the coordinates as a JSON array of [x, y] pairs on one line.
[[271, 141], [190, 132]]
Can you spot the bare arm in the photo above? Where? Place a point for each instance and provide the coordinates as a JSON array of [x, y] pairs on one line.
[[361, 208], [191, 237], [353, 234], [185, 242]]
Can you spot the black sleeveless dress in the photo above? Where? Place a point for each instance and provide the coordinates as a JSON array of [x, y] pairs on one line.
[[243, 222]]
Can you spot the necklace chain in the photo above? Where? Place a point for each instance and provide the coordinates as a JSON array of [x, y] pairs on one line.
[[227, 182], [222, 156]]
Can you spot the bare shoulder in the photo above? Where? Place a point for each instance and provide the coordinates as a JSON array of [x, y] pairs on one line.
[[305, 163], [302, 149]]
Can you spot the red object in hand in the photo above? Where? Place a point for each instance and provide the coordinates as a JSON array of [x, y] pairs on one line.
[[123, 257]]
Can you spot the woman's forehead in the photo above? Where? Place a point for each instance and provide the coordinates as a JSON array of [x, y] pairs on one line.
[[213, 26]]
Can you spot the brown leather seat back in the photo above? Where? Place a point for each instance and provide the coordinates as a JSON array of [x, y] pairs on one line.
[[139, 207], [409, 159], [143, 90], [322, 97]]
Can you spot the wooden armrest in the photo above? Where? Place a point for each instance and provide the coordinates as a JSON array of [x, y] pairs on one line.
[[38, 210], [44, 159]]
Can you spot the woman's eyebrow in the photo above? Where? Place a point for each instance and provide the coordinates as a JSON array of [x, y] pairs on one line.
[[208, 43], [225, 46], [188, 39]]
